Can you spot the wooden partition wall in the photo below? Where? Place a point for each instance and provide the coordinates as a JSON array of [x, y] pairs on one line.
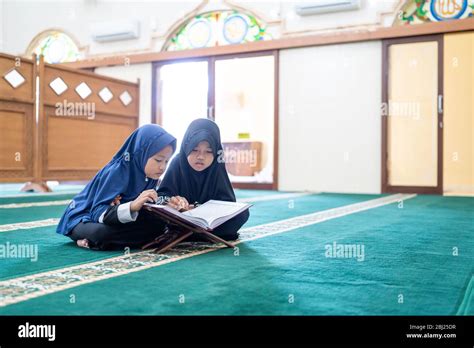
[[80, 135], [17, 118], [82, 120]]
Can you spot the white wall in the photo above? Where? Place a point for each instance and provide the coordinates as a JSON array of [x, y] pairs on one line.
[[330, 125], [132, 73], [22, 20], [371, 13]]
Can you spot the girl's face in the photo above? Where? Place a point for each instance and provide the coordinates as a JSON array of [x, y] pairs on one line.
[[201, 156], [156, 164]]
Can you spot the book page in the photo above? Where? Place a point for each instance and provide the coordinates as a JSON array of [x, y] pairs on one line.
[[195, 220], [213, 210]]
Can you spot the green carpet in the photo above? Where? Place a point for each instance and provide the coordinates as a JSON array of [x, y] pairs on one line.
[[31, 198], [408, 253], [15, 190], [58, 251]]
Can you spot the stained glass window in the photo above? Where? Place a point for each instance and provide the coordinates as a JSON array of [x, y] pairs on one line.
[[57, 47], [218, 28], [422, 11]]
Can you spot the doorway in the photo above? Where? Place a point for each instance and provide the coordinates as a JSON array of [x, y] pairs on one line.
[[412, 111], [240, 93]]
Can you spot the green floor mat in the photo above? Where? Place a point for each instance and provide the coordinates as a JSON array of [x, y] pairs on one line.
[[55, 251], [408, 253], [32, 198]]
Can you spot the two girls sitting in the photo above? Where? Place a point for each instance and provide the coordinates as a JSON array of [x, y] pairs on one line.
[[106, 214]]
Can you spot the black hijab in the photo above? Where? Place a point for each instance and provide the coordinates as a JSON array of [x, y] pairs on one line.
[[182, 180]]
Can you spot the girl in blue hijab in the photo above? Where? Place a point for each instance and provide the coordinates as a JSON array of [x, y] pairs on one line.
[[105, 214]]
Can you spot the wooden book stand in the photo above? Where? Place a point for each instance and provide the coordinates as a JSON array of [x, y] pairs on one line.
[[185, 229]]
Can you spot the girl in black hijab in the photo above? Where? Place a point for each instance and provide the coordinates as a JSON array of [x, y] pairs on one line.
[[197, 174]]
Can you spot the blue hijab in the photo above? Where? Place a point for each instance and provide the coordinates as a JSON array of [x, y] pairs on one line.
[[124, 175]]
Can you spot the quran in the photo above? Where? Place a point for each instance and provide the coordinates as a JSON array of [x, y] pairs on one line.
[[207, 216]]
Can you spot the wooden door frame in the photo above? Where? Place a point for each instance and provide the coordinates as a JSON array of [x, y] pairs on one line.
[[386, 188], [156, 116]]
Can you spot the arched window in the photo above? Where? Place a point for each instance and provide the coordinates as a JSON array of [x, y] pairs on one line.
[[55, 46], [217, 28], [421, 11]]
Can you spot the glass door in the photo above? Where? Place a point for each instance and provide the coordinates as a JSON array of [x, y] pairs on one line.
[[181, 95], [239, 93], [245, 112], [412, 134]]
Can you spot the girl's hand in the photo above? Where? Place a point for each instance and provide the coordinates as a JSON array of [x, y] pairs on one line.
[[116, 200], [147, 196], [179, 203]]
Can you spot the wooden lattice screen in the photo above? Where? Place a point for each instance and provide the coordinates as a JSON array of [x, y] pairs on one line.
[[83, 118]]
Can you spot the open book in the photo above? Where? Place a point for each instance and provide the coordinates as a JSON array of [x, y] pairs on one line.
[[207, 216]]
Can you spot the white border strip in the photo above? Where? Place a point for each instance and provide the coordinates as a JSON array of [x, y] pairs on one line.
[[276, 197], [28, 225], [28, 287], [247, 200], [34, 204], [38, 194]]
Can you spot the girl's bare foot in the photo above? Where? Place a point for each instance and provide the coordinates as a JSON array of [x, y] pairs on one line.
[[83, 243]]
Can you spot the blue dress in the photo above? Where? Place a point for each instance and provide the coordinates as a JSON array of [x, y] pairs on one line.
[[124, 175]]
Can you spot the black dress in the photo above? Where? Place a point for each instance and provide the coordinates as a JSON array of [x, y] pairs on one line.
[[119, 229], [199, 187]]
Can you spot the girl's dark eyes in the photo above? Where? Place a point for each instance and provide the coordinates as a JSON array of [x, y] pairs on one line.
[[159, 161], [207, 151]]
